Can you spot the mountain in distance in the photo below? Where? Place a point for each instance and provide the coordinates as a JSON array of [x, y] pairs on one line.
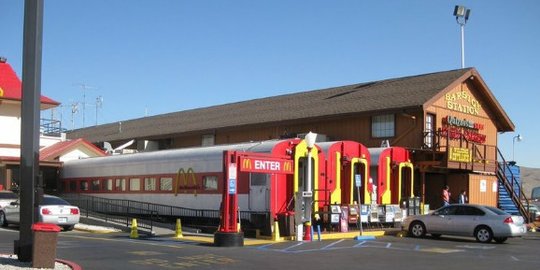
[[530, 178]]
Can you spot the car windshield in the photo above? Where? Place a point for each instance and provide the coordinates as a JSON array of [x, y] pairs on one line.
[[8, 195], [497, 211], [53, 201]]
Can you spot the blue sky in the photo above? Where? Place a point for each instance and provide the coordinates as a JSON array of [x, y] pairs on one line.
[[154, 57]]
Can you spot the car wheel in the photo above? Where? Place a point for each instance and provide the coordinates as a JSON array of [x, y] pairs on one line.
[[483, 234], [68, 228], [436, 235], [3, 221], [417, 229], [500, 240]]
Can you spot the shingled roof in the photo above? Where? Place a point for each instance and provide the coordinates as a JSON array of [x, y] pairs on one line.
[[405, 92]]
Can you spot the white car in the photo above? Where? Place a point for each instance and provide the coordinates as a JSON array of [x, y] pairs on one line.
[[53, 210], [7, 197], [485, 223]]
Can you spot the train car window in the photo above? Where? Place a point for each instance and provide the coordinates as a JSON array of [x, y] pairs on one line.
[[134, 184], [120, 184], [149, 184], [83, 186], [165, 184], [258, 179], [72, 185], [95, 185], [210, 182], [108, 185]]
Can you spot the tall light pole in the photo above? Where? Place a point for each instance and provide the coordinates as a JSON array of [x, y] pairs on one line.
[[517, 138], [310, 142], [462, 16]]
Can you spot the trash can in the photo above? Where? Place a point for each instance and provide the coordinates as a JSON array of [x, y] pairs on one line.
[[44, 247], [286, 223]]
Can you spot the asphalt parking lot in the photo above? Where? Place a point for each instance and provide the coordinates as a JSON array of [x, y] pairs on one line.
[[118, 251]]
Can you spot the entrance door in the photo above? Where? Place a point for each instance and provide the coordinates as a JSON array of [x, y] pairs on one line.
[[259, 189]]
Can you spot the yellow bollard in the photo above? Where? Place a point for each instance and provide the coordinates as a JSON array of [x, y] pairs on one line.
[[134, 231], [275, 232], [178, 232]]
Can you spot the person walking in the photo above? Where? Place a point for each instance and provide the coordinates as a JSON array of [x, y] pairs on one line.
[[445, 196]]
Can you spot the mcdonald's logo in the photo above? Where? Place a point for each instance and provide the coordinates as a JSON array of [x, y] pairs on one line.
[[246, 164], [1, 92], [287, 167]]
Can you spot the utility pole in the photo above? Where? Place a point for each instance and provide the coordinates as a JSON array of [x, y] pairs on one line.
[[462, 16], [31, 94]]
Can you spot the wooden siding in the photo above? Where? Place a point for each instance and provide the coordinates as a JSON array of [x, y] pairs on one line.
[[471, 107], [483, 189]]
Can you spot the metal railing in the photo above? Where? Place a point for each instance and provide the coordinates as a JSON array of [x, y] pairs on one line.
[[516, 194], [151, 212]]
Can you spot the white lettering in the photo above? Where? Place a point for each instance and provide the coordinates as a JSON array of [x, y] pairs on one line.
[[267, 165]]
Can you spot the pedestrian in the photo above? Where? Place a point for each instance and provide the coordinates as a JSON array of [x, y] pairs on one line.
[[462, 198], [445, 196]]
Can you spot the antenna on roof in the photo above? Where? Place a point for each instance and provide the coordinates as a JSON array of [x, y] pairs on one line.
[[84, 87]]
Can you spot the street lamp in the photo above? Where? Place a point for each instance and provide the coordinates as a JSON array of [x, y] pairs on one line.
[[517, 138], [462, 16]]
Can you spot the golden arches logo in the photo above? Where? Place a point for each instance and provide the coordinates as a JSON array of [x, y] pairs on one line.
[[287, 166], [246, 164], [183, 175], [1, 92]]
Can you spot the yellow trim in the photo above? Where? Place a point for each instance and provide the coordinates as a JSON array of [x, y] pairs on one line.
[[367, 196], [336, 194], [300, 151], [410, 166], [387, 194]]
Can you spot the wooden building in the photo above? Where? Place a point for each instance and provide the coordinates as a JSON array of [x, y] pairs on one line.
[[449, 121]]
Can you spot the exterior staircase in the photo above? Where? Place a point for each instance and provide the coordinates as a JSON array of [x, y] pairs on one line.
[[512, 199]]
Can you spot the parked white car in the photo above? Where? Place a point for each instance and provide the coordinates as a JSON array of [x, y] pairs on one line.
[[7, 197], [485, 223], [53, 210]]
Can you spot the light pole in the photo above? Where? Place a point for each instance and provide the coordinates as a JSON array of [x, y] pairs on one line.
[[462, 16], [517, 138]]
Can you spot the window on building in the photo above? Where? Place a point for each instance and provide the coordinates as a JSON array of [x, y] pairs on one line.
[[208, 140], [83, 186], [166, 183], [210, 182], [429, 130], [72, 185], [108, 186], [149, 183], [95, 185], [134, 184], [120, 185], [383, 126]]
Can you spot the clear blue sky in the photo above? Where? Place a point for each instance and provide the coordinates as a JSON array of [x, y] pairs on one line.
[[154, 57]]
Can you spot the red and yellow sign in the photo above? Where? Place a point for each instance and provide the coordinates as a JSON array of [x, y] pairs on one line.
[[266, 165]]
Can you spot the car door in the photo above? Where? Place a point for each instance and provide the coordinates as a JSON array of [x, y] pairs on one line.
[[441, 220]]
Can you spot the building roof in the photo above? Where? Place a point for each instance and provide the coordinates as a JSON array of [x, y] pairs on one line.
[[11, 87], [53, 152], [384, 95]]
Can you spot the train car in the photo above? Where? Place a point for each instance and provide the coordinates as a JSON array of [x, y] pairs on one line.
[[345, 160], [193, 177], [392, 173]]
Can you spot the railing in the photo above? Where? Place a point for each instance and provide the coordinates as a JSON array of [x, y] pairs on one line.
[[159, 212], [517, 195]]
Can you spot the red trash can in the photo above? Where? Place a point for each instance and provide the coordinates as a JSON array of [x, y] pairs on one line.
[[44, 247]]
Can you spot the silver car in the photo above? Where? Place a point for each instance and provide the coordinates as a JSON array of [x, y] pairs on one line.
[[53, 210], [7, 197], [485, 223]]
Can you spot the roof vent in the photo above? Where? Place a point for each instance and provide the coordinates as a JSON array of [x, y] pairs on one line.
[[3, 59]]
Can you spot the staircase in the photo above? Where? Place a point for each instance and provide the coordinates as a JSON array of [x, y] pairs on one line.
[[511, 196]]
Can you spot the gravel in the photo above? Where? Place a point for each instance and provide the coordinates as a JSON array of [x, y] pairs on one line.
[[11, 262]]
